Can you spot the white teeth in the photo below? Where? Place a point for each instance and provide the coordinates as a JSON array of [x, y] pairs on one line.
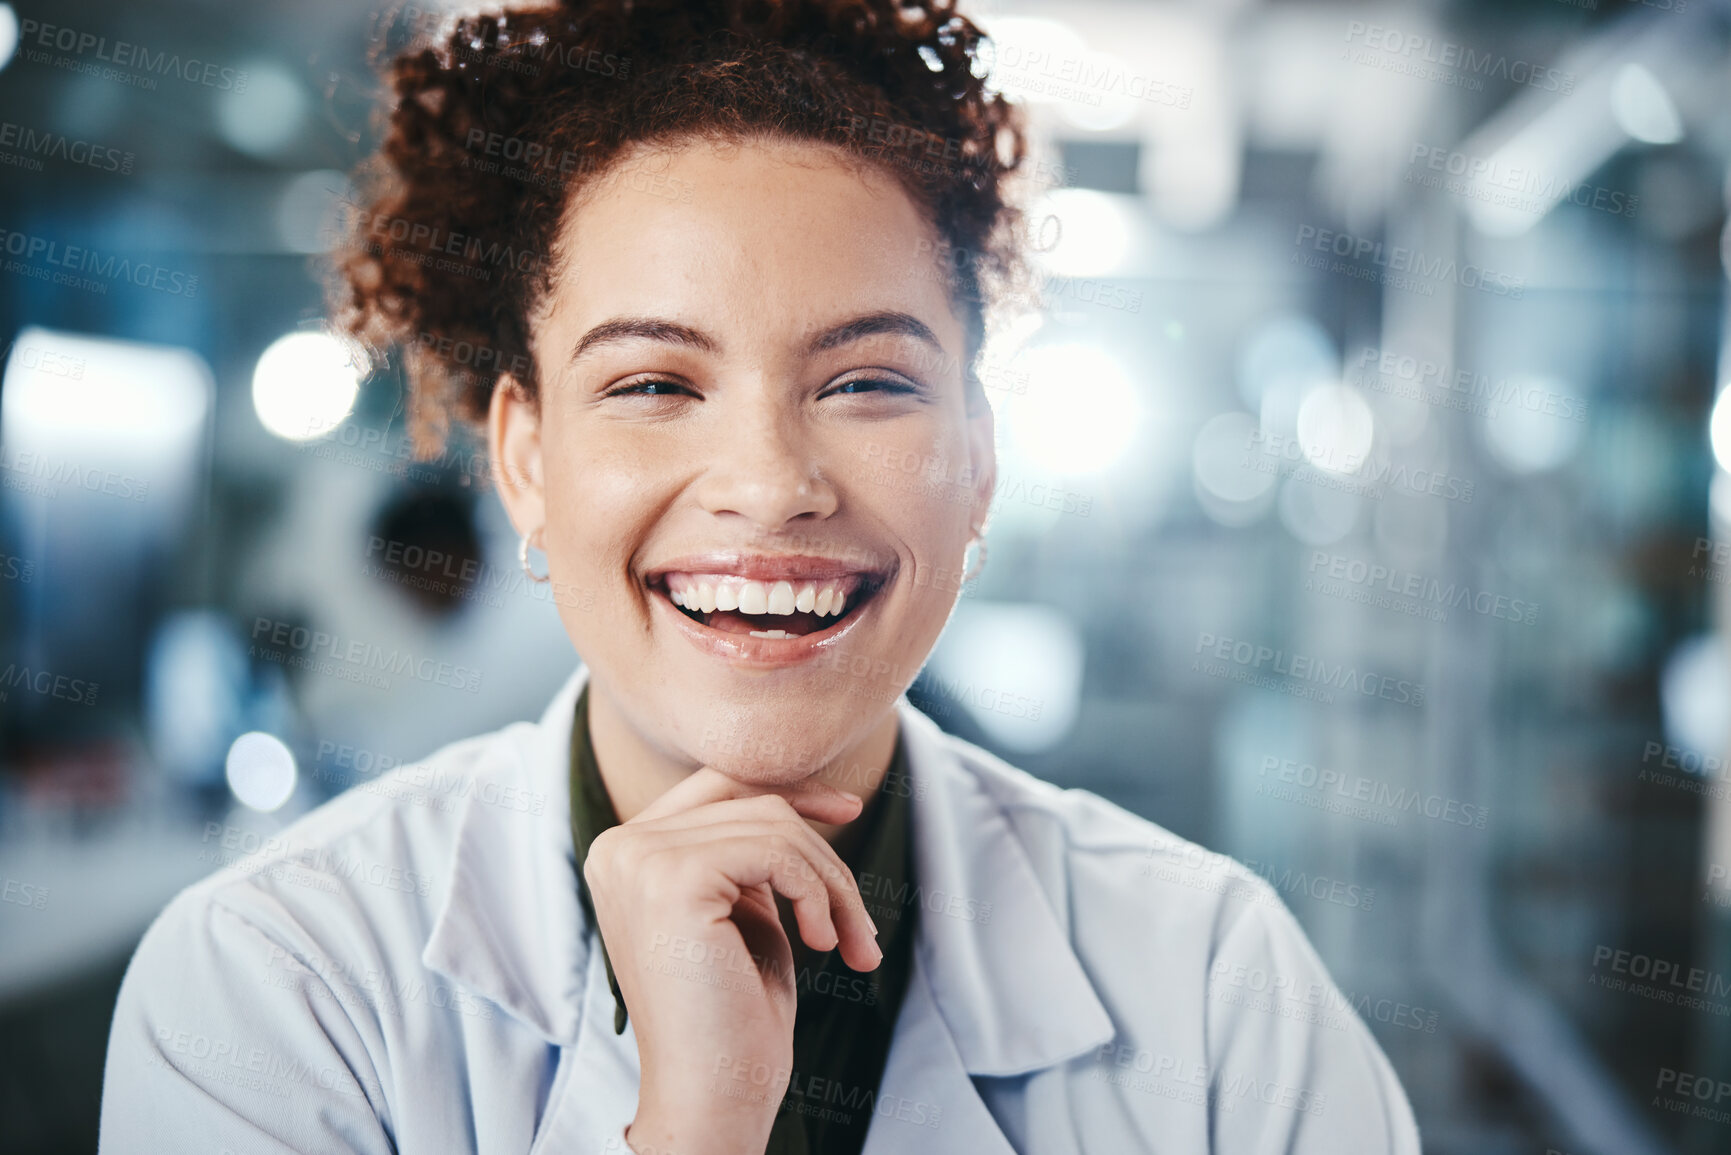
[[770, 634], [728, 593], [753, 598]]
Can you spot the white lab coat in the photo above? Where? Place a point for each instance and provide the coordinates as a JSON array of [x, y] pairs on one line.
[[408, 968]]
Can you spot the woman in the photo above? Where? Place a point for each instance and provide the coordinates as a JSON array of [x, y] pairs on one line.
[[726, 267]]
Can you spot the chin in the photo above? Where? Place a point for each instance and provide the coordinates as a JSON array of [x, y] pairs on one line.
[[776, 743]]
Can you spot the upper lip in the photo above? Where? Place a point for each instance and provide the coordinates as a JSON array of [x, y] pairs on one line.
[[768, 566]]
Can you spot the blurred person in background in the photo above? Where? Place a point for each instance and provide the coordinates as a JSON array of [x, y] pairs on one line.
[[709, 275]]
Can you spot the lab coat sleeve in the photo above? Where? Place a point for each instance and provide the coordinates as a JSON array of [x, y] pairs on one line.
[[223, 1042], [1294, 1071]]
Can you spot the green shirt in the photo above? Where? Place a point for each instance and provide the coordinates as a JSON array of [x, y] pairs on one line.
[[845, 1019]]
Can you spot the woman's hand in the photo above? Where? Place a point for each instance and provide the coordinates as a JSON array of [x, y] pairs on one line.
[[684, 895]]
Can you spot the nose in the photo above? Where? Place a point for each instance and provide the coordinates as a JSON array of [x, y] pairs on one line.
[[764, 466]]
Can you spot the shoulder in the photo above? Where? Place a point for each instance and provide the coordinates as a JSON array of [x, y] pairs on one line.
[[1208, 978], [1115, 863], [347, 893]]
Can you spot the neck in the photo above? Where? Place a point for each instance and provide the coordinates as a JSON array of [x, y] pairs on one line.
[[636, 772]]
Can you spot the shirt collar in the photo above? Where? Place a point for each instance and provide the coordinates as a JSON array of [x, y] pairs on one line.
[[1007, 985]]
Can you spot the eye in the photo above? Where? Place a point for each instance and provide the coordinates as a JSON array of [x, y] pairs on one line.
[[651, 388], [873, 385]]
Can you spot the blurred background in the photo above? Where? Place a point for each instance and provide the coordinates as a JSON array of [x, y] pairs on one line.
[[1365, 509]]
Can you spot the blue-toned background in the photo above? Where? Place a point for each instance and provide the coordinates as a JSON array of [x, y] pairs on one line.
[[1365, 510]]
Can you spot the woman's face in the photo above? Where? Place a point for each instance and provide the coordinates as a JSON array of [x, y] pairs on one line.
[[752, 403]]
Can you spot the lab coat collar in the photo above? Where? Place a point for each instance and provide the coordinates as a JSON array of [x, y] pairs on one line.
[[512, 929], [995, 958], [1003, 976]]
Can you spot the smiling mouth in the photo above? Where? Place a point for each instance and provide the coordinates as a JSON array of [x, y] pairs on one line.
[[730, 604]]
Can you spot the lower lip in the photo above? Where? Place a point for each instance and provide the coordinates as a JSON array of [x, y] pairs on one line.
[[762, 653]]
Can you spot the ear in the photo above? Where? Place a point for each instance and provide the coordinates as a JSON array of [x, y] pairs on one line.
[[982, 455], [514, 448]]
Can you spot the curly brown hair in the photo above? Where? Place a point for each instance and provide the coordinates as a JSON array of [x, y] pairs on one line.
[[497, 122]]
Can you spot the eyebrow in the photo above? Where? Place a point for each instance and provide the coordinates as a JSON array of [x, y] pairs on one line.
[[883, 321]]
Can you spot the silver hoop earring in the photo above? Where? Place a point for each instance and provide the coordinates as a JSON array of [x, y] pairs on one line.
[[523, 558], [979, 563]]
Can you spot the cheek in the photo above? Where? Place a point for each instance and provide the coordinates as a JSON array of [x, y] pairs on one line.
[[923, 486], [599, 509]]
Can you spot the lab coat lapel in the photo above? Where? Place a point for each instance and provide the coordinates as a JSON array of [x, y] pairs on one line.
[[996, 989], [512, 929], [926, 1103], [594, 1095], [1005, 980]]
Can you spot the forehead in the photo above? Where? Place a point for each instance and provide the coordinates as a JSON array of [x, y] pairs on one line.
[[780, 236]]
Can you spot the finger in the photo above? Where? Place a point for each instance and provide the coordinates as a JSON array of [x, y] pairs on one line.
[[765, 816], [827, 905], [765, 940], [813, 799]]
